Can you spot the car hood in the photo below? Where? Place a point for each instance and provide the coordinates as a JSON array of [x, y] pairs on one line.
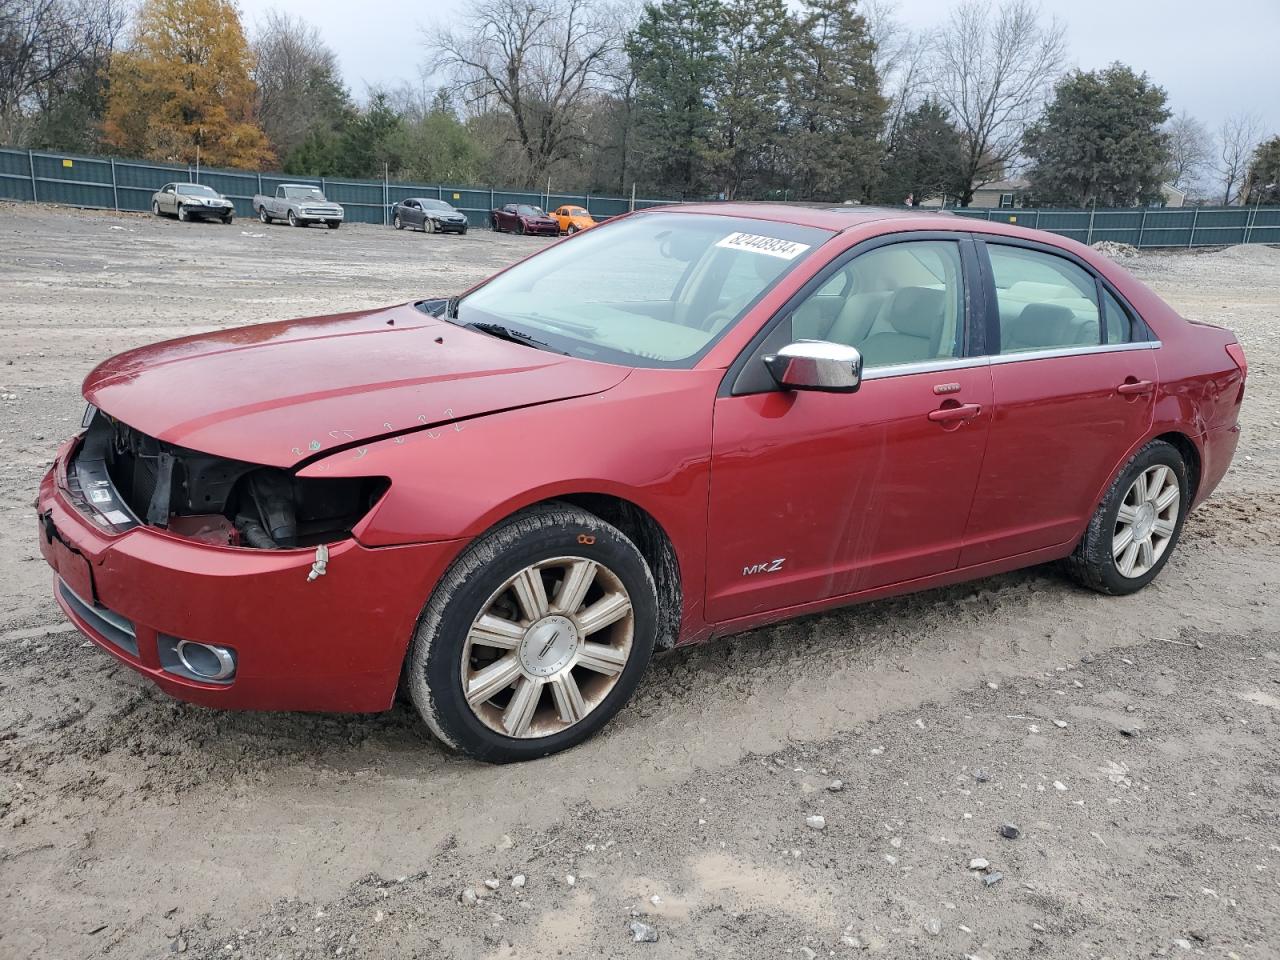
[[281, 393]]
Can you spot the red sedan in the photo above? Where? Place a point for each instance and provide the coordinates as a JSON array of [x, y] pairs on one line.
[[688, 422], [524, 218]]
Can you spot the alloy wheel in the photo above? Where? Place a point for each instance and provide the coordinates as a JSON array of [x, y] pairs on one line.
[[547, 647], [1146, 521]]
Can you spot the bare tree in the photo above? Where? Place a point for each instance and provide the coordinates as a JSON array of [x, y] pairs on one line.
[[46, 48], [540, 62], [900, 59], [1190, 152], [992, 68], [1238, 137], [298, 80]]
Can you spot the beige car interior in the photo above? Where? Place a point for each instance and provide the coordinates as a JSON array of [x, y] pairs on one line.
[[1045, 302], [896, 304]]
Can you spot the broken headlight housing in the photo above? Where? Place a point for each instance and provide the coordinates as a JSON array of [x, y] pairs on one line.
[[125, 478]]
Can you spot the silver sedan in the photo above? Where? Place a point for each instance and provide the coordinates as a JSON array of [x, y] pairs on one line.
[[189, 201]]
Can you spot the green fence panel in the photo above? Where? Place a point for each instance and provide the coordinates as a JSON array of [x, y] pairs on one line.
[[15, 175], [126, 184]]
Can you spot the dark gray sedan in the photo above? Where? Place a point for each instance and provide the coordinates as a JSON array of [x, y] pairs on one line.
[[190, 201], [428, 215]]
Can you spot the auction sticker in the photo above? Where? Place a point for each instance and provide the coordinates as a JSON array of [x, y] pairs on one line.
[[770, 246]]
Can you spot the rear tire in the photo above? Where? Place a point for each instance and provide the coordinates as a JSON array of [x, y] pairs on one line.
[[573, 228], [1134, 531], [155, 207], [262, 215], [397, 223], [576, 667]]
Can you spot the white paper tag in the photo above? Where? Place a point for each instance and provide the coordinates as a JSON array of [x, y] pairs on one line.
[[769, 246]]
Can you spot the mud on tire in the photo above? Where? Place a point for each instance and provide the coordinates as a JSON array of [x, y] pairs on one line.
[[1093, 563], [434, 664]]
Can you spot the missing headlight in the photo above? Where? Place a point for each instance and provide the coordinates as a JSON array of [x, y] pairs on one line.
[[217, 500]]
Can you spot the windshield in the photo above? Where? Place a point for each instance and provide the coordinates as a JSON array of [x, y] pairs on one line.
[[196, 190], [527, 211], [303, 193], [574, 212], [649, 290], [435, 205]]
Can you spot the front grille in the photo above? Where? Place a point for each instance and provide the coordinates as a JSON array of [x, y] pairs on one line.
[[115, 629]]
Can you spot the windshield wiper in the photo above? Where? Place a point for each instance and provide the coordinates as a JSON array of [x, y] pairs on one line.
[[506, 333]]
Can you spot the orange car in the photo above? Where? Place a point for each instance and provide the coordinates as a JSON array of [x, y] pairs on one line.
[[573, 219]]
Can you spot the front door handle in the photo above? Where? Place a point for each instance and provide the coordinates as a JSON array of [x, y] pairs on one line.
[[1130, 387], [962, 411]]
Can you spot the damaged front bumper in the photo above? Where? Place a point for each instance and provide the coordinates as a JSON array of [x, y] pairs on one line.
[[320, 628]]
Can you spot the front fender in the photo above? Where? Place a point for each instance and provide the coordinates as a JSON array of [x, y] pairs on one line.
[[647, 440]]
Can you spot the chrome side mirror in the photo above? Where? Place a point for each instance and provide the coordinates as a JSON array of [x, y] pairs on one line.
[[816, 365]]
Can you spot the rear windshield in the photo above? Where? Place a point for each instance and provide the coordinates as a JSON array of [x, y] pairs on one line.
[[651, 290]]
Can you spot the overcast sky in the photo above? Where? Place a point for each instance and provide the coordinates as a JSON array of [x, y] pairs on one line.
[[1213, 58]]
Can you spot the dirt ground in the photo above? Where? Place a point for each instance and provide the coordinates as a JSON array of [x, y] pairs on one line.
[[1134, 742]]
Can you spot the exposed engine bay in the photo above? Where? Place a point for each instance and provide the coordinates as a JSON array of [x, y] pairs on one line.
[[128, 478]]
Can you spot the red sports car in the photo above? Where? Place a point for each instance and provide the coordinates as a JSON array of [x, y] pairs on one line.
[[687, 422]]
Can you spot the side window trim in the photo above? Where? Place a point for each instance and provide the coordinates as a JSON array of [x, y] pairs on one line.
[[1142, 334], [973, 306]]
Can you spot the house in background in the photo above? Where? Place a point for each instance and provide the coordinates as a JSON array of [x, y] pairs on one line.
[[1009, 194]]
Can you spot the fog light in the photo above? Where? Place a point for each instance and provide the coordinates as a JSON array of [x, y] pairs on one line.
[[206, 661]]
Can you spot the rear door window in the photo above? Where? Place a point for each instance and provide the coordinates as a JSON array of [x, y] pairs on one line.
[[1045, 302]]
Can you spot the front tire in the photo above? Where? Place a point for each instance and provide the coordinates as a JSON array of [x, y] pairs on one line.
[[1134, 531], [182, 214], [535, 638], [293, 219], [334, 224], [228, 218]]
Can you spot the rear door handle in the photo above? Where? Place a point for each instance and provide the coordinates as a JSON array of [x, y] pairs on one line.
[[964, 411], [1135, 386]]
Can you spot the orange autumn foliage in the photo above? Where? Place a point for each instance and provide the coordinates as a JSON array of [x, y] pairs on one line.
[[186, 80]]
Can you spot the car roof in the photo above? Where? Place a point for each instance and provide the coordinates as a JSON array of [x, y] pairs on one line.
[[827, 216]]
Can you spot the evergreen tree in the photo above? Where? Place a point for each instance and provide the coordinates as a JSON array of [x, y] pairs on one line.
[[755, 37], [837, 109], [675, 54], [925, 159], [1100, 141], [1262, 184]]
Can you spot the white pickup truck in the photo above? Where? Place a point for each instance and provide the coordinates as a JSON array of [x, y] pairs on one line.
[[299, 203]]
